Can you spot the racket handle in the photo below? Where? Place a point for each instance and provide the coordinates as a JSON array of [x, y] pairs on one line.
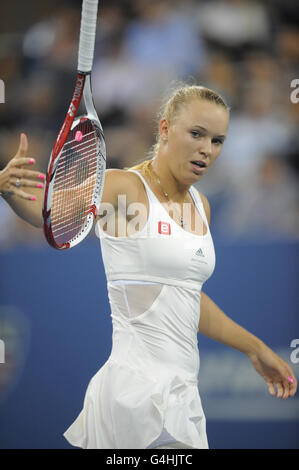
[[87, 35]]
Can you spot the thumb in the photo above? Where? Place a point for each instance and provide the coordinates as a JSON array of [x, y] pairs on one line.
[[23, 146]]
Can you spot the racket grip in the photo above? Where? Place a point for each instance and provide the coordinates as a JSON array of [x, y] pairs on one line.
[[87, 35]]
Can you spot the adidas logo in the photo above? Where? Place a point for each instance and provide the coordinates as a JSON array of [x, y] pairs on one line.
[[200, 252]]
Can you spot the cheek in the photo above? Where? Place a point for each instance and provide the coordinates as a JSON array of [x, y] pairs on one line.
[[216, 153], [179, 143], [188, 143]]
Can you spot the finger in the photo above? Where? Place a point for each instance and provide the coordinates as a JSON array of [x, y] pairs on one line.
[[271, 388], [24, 161], [290, 387], [23, 146], [23, 195], [280, 390], [292, 384], [28, 174], [286, 386], [27, 183]]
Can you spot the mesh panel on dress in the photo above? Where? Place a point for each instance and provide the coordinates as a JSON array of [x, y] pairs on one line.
[[132, 298]]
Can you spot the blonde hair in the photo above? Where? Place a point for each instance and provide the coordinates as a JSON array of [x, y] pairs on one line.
[[170, 109]]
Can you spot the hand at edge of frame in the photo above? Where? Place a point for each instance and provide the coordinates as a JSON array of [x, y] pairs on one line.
[[15, 175], [275, 371]]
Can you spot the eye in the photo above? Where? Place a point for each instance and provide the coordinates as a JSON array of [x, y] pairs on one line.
[[218, 141], [195, 134]]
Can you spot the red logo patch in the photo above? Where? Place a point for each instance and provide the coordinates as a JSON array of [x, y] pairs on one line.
[[164, 228]]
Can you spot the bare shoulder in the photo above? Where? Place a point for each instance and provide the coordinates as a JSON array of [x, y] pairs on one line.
[[119, 182], [206, 205]]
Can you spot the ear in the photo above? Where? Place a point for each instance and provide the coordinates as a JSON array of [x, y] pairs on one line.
[[163, 130]]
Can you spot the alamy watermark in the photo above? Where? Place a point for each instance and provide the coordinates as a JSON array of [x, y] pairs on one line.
[[295, 93], [2, 352], [295, 354], [131, 218], [2, 91]]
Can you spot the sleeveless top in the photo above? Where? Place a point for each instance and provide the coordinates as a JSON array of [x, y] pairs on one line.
[[177, 258], [148, 387]]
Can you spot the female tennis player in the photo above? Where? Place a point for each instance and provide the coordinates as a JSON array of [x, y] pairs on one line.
[[146, 395]]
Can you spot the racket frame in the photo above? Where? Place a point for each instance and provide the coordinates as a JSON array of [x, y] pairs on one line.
[[82, 88]]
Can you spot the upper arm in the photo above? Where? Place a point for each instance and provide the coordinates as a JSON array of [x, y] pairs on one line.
[[206, 206], [119, 182]]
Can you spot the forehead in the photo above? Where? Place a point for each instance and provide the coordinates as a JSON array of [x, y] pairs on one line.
[[211, 116]]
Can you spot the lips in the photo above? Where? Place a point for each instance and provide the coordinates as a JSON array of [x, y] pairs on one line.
[[199, 163], [198, 166]]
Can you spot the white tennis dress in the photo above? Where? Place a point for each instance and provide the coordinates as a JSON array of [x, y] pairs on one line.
[[146, 394]]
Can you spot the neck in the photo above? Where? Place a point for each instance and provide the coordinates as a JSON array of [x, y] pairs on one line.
[[176, 190]]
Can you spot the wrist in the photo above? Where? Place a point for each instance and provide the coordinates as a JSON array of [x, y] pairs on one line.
[[4, 194], [255, 346]]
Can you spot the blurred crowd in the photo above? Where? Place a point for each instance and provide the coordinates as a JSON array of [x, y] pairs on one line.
[[248, 51]]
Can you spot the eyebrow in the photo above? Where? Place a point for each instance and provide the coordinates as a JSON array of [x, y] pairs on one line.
[[205, 130]]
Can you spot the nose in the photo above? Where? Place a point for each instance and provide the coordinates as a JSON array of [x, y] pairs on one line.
[[205, 147]]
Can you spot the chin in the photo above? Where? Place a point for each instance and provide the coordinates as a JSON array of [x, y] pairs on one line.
[[192, 179]]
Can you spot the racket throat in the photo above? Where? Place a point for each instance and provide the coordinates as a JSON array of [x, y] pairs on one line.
[[79, 87], [88, 101]]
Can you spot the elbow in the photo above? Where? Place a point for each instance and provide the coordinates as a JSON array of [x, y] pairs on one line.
[[39, 222], [36, 222]]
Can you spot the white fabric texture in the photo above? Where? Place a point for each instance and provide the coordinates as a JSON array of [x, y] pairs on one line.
[[173, 445], [146, 395]]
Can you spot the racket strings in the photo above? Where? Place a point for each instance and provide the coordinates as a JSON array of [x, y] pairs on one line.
[[73, 167], [73, 187], [76, 140], [62, 180], [69, 211]]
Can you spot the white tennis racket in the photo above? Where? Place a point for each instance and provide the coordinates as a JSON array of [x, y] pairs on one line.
[[76, 170]]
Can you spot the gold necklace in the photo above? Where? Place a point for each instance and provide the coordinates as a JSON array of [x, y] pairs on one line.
[[165, 194]]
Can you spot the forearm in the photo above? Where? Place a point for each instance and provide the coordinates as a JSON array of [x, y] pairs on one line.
[[30, 211], [219, 327]]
